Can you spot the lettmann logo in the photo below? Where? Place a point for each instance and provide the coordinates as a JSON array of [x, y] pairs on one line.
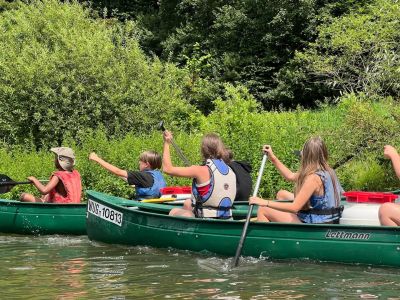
[[347, 235]]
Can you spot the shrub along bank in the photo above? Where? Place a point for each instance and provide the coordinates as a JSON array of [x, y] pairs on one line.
[[63, 71], [355, 131]]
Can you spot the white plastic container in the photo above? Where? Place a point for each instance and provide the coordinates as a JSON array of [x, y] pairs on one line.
[[360, 214]]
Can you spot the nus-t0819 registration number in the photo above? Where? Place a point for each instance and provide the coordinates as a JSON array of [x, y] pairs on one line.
[[104, 212]]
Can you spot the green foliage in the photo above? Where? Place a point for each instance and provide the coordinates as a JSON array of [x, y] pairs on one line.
[[357, 52], [62, 72], [8, 5], [369, 174], [200, 90], [254, 43], [355, 133], [247, 42], [361, 50], [368, 126]]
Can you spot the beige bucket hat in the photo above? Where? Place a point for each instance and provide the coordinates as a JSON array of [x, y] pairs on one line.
[[65, 157]]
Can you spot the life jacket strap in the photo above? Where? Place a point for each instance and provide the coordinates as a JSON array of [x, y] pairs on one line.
[[334, 211]]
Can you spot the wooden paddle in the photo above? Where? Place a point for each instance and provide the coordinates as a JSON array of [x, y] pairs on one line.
[[6, 183], [246, 224], [176, 147]]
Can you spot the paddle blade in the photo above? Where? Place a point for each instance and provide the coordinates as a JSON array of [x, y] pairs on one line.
[[297, 153], [5, 188], [161, 126], [5, 178], [6, 184]]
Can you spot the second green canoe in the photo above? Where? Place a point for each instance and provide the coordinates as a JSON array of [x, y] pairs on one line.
[[42, 218]]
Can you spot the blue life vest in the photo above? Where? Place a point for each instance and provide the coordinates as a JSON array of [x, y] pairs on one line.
[[217, 203], [154, 190], [324, 209]]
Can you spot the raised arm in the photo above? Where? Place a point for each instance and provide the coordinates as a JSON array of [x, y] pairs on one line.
[[200, 173], [111, 168], [391, 153], [283, 170]]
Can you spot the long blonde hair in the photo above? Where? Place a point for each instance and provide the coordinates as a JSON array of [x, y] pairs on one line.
[[315, 158]]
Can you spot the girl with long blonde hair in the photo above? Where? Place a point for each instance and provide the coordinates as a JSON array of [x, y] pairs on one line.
[[317, 189]]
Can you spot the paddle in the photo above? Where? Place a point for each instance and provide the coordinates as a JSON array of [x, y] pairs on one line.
[[246, 224], [297, 153], [6, 183], [176, 147], [159, 200]]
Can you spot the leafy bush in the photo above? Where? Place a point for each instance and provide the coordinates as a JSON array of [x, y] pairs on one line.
[[368, 126], [370, 174], [356, 52], [62, 72], [247, 42]]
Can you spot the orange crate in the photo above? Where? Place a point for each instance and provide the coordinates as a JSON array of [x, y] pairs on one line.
[[369, 197]]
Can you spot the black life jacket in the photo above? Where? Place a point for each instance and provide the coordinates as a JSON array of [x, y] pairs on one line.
[[244, 182]]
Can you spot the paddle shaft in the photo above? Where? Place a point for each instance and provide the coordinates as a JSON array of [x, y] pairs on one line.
[[15, 183], [7, 184], [20, 182], [246, 224], [176, 147], [180, 154]]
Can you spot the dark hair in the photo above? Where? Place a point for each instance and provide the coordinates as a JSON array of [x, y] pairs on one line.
[[228, 156], [152, 158]]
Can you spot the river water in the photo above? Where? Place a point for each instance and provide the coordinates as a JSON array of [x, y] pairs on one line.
[[67, 267]]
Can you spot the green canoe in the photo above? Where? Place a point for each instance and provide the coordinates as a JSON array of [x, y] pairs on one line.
[[42, 218], [117, 221]]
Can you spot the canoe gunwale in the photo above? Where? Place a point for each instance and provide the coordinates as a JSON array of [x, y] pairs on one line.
[[38, 204]]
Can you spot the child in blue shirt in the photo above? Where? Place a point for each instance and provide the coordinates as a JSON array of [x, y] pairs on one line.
[[148, 180]]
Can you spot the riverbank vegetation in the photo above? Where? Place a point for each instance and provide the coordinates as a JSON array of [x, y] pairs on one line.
[[101, 79]]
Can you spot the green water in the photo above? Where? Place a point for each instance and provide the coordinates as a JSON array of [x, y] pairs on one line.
[[58, 267]]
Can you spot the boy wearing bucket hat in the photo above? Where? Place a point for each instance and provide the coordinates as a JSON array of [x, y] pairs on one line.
[[65, 184]]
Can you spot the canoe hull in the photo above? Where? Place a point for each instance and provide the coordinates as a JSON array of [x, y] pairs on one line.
[[42, 218], [372, 245]]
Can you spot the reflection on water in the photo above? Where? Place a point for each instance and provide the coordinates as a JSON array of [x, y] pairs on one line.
[[59, 267]]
